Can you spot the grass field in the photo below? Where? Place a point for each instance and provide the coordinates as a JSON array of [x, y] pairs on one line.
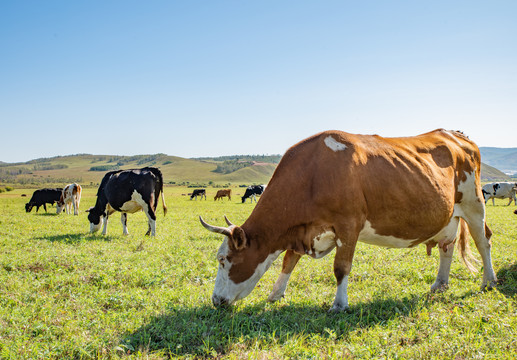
[[66, 294]]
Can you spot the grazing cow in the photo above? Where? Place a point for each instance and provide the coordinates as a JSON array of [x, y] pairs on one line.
[[222, 193], [43, 197], [335, 189], [128, 191], [252, 191], [198, 192], [71, 196], [500, 190]]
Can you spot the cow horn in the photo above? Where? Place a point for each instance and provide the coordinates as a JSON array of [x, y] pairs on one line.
[[228, 221], [216, 229]]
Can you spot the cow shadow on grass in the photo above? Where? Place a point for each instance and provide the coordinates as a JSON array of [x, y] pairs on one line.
[[75, 238], [507, 276], [205, 331], [46, 214]]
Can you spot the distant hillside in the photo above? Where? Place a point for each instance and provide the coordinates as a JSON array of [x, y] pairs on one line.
[[88, 169], [489, 173], [504, 159]]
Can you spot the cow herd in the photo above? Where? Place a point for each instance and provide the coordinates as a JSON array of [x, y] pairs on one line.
[[125, 191], [329, 192], [251, 193]]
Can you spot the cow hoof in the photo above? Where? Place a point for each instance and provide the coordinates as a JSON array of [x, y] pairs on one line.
[[439, 286], [274, 297], [336, 308], [489, 285]]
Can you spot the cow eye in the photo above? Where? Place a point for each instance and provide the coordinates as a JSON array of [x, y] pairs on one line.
[[221, 261]]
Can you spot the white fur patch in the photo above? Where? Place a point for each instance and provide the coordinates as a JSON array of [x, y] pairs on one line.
[[323, 244], [333, 144], [225, 288], [136, 203], [368, 235], [341, 299]]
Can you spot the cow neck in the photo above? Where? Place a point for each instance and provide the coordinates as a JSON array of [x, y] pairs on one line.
[[266, 231], [101, 203]]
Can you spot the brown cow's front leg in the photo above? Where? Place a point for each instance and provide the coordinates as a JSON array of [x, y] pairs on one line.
[[342, 266], [290, 260]]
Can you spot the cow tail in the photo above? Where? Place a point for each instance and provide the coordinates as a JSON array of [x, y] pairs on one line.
[[163, 204], [463, 246], [159, 175]]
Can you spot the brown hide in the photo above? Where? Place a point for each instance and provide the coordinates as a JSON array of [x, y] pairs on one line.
[[404, 187]]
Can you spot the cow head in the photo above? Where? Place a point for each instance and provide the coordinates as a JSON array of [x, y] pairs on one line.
[[60, 205], [96, 219], [240, 267], [28, 207]]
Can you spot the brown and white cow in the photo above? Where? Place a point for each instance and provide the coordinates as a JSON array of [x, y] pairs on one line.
[[335, 189], [222, 193], [70, 197]]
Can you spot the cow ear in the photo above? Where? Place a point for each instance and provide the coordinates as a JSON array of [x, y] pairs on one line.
[[238, 238]]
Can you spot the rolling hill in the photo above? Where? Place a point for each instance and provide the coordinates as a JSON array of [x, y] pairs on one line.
[[504, 159], [89, 170]]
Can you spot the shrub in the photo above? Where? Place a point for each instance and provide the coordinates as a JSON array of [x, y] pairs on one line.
[[104, 168]]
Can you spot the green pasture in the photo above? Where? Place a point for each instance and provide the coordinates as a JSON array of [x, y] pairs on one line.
[[66, 294]]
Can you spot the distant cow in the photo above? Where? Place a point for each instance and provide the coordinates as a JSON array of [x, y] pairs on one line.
[[128, 191], [198, 192], [500, 190], [71, 196], [252, 191], [222, 193], [43, 197]]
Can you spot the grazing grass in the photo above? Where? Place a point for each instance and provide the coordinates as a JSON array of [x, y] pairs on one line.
[[66, 294]]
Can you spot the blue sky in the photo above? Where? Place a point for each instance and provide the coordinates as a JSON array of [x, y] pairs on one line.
[[210, 78]]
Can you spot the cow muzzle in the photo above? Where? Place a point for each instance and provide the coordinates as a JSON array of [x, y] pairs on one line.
[[220, 301]]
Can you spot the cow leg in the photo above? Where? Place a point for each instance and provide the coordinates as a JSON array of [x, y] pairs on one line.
[[442, 279], [105, 225], [45, 207], [290, 260], [474, 215], [123, 219], [481, 234], [509, 201], [151, 219], [493, 201], [76, 207], [342, 266]]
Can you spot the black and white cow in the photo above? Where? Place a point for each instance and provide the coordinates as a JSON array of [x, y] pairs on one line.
[[198, 192], [128, 191], [252, 191], [500, 190], [43, 197]]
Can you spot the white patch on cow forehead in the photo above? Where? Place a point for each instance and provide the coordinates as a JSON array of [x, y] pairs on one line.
[[333, 144], [223, 249], [225, 288]]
